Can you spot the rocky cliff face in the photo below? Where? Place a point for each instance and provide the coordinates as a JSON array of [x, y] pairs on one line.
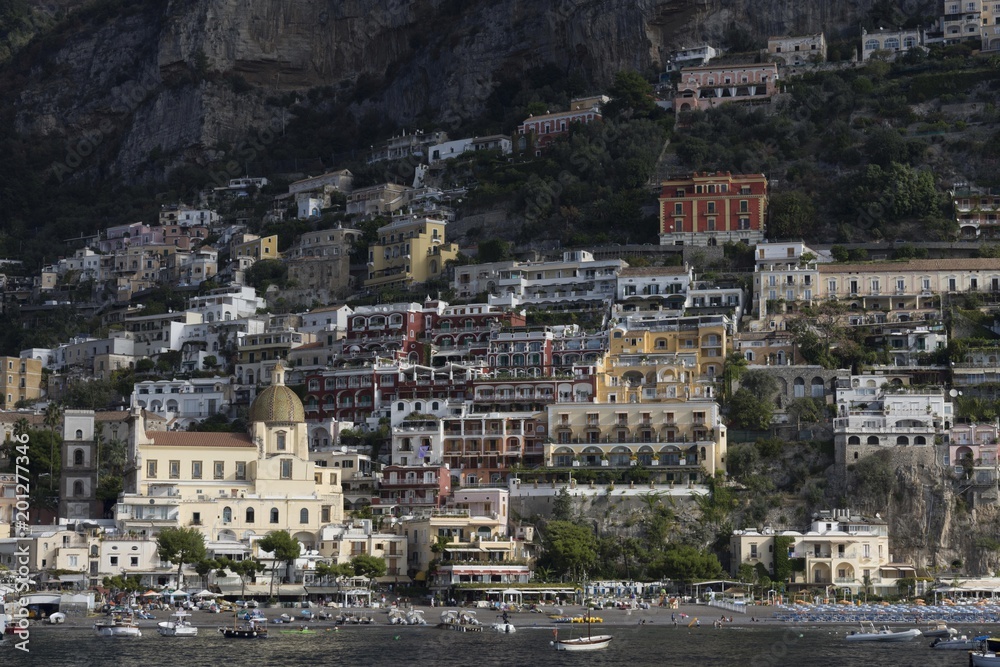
[[935, 520], [177, 78]]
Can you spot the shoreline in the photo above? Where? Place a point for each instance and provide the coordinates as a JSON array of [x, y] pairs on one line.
[[754, 616]]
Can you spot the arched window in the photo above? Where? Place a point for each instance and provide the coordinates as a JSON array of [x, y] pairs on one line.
[[873, 440], [800, 388], [303, 515], [78, 457], [902, 440], [871, 45], [854, 440], [920, 440], [77, 489], [274, 515], [250, 516], [227, 514], [79, 434]]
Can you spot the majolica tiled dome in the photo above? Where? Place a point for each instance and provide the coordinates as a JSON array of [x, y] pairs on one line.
[[277, 403]]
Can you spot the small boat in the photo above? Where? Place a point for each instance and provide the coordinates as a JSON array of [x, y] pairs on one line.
[[883, 635], [255, 628], [588, 643], [118, 624], [415, 617], [460, 621], [986, 653], [504, 627], [962, 643], [177, 626], [940, 629], [397, 617]]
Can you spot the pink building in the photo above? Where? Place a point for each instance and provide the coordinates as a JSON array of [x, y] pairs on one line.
[[542, 130], [974, 441], [712, 85]]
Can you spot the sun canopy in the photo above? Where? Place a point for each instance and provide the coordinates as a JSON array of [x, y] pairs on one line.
[[150, 594], [205, 594]]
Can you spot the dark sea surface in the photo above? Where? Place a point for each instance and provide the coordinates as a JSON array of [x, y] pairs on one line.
[[747, 646]]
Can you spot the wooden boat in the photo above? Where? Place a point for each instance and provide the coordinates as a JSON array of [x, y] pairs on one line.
[[253, 628], [883, 635], [118, 624], [588, 643], [986, 655]]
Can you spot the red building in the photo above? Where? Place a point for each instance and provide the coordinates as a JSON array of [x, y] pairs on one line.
[[540, 131], [711, 209]]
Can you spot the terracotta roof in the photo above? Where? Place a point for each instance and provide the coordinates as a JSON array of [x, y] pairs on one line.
[[199, 439], [11, 417], [653, 271], [974, 264]]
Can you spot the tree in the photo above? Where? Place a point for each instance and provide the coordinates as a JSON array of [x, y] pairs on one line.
[[368, 566], [246, 570], [805, 409], [631, 95], [210, 362], [326, 570], [686, 563], [284, 548], [562, 506], [204, 568], [570, 549], [181, 545], [747, 411], [790, 215], [760, 383], [493, 250]]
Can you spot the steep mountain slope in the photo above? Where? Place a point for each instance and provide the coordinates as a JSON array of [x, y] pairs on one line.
[[178, 80]]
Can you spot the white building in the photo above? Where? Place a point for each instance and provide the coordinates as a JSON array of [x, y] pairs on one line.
[[183, 402], [891, 42], [879, 411], [576, 280], [458, 147], [227, 303], [693, 57], [330, 319]]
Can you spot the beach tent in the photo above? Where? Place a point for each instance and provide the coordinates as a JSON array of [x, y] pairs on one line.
[[151, 594], [205, 594]]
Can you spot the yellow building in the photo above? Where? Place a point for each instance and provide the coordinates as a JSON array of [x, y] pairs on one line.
[[410, 251], [674, 359], [257, 248], [21, 380], [678, 442], [234, 487]]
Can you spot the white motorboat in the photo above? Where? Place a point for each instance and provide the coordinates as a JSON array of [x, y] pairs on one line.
[[962, 643], [504, 627], [415, 617], [178, 626], [119, 624], [588, 643], [883, 635], [397, 617]]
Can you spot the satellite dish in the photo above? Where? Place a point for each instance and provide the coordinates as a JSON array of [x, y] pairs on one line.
[[953, 393]]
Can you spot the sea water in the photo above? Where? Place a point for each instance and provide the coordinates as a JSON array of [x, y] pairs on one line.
[[399, 646]]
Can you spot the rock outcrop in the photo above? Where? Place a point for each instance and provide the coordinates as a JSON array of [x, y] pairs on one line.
[[179, 79]]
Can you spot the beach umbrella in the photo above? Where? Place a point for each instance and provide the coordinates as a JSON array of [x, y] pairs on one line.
[[150, 594], [205, 594]]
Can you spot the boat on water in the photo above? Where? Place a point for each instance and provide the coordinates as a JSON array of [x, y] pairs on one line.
[[118, 624], [504, 626], [986, 654], [883, 635], [962, 643], [252, 628], [940, 629], [415, 617], [589, 643], [460, 621], [177, 626]]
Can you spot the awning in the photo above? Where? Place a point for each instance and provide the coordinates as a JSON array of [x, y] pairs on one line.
[[421, 576], [470, 549], [393, 579]]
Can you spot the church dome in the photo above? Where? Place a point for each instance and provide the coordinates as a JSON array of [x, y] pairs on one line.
[[277, 403]]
